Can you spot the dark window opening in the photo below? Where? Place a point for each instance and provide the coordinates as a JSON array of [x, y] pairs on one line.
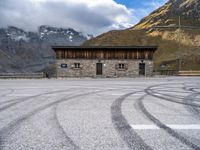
[[77, 65], [121, 66]]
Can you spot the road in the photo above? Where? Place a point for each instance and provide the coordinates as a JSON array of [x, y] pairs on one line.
[[100, 114]]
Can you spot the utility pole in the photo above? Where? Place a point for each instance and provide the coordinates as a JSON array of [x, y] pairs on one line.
[[179, 45]]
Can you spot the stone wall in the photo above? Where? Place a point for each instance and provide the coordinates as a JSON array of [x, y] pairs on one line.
[[110, 68]]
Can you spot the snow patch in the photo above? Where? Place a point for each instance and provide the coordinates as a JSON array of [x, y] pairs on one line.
[[87, 36]]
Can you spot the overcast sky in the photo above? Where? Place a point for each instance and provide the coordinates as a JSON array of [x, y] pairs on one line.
[[89, 16]]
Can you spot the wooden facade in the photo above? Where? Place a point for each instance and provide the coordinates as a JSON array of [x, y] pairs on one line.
[[109, 53]]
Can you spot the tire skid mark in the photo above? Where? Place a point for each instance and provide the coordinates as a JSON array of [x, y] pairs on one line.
[[12, 127], [34, 96], [194, 110], [28, 97], [158, 87], [126, 132], [69, 140], [8, 130], [187, 101], [174, 96], [150, 92], [6, 94], [164, 127], [15, 101], [61, 128], [174, 91], [194, 90], [165, 107], [21, 100], [191, 90]]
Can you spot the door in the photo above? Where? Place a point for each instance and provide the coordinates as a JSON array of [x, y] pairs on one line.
[[99, 68], [142, 69]]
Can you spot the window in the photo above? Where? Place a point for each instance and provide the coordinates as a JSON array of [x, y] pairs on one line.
[[121, 66], [77, 65]]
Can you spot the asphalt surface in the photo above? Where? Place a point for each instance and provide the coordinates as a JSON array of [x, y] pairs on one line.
[[100, 114]]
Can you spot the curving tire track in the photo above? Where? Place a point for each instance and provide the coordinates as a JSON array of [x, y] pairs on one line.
[[187, 101], [191, 89], [28, 97], [6, 131], [34, 96], [194, 90], [12, 126], [21, 100], [190, 98], [6, 94], [154, 91], [174, 96], [164, 127], [130, 137], [9, 129], [174, 91], [69, 141], [150, 92]]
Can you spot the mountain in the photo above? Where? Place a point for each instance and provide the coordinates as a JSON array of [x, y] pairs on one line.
[[174, 28], [168, 15], [22, 51]]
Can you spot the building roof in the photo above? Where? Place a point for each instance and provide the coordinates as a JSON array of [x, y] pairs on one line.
[[105, 47]]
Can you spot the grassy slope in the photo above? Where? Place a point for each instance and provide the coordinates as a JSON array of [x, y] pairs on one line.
[[167, 41]]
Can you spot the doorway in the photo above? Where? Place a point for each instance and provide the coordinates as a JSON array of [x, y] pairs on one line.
[[142, 69], [99, 68]]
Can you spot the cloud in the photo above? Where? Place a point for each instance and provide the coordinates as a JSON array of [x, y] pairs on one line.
[[154, 4], [91, 16], [146, 8]]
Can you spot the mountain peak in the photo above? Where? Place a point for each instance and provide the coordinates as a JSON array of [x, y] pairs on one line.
[[69, 33]]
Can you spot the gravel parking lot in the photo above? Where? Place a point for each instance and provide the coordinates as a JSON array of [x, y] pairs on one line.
[[100, 114]]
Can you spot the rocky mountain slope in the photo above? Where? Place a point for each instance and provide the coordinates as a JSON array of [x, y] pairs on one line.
[[168, 15], [22, 51], [176, 38]]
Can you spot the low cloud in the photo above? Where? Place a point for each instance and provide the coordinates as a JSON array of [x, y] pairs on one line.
[[91, 16]]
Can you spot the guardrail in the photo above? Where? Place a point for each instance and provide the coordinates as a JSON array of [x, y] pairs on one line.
[[21, 75], [189, 73]]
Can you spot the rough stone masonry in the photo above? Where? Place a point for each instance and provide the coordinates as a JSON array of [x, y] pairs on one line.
[[104, 61]]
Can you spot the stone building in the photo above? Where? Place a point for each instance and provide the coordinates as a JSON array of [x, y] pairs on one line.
[[104, 61]]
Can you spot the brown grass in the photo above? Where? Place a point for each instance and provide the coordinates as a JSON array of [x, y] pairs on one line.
[[167, 41]]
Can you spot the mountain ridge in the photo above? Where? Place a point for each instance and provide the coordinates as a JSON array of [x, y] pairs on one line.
[[168, 14], [161, 28], [25, 51]]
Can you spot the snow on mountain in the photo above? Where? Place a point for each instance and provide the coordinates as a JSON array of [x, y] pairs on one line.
[[88, 36], [69, 34], [16, 34], [31, 51]]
